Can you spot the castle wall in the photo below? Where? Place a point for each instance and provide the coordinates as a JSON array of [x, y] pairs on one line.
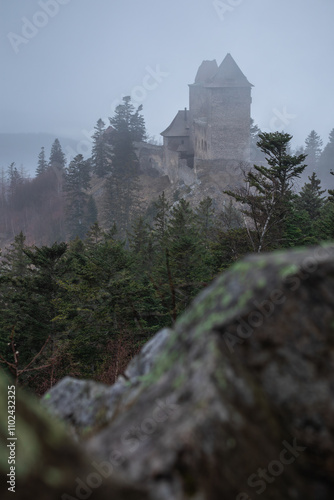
[[201, 134], [198, 101], [174, 143], [171, 160], [151, 159], [198, 108], [218, 124], [230, 123]]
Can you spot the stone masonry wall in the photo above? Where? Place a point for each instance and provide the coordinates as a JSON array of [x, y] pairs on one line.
[[230, 123]]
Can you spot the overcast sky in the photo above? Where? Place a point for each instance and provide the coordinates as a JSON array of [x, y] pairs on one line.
[[66, 63]]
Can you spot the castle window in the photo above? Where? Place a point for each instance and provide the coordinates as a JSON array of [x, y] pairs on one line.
[[205, 146], [202, 144]]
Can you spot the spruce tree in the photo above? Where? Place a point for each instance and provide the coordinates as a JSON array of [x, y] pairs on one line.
[[121, 199], [140, 244], [325, 223], [98, 303], [26, 302], [230, 217], [15, 180], [42, 164], [13, 272], [310, 198], [91, 215], [326, 162], [94, 235], [57, 158], [101, 151], [205, 219], [161, 208], [77, 181], [313, 148], [186, 255], [267, 194]]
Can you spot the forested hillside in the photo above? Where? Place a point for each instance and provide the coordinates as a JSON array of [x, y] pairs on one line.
[[99, 284]]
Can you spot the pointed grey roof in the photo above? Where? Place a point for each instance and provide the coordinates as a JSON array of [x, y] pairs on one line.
[[206, 71], [179, 126], [229, 75]]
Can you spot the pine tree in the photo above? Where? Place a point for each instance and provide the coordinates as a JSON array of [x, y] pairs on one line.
[[325, 223], [206, 222], [48, 266], [230, 217], [94, 235], [267, 194], [161, 208], [121, 200], [42, 164], [303, 225], [98, 301], [326, 162], [15, 261], [77, 181], [23, 303], [101, 151], [15, 182], [310, 198], [140, 244], [299, 229], [186, 255], [57, 158], [91, 215], [14, 179], [313, 148], [57, 162]]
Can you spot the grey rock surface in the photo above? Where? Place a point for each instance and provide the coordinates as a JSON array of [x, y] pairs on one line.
[[244, 385], [86, 405], [235, 402]]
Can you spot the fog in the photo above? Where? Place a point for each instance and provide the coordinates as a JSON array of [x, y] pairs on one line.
[[66, 63]]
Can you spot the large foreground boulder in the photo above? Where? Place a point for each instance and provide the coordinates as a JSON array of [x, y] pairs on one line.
[[236, 401], [39, 461], [85, 405]]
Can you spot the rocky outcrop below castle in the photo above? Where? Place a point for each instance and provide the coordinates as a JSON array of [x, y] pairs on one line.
[[235, 402]]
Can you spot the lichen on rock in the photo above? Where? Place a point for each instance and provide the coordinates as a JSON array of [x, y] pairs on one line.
[[236, 400]]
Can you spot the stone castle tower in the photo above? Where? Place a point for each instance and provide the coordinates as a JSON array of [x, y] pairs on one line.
[[215, 131]]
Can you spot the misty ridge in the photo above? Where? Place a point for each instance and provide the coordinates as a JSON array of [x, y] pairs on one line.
[[209, 152]]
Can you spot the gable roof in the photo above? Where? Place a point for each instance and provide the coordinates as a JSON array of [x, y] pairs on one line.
[[179, 126]]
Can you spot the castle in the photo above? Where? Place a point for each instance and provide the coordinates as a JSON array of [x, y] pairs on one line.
[[214, 133]]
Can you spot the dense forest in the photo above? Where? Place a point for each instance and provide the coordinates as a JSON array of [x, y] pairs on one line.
[[84, 300]]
